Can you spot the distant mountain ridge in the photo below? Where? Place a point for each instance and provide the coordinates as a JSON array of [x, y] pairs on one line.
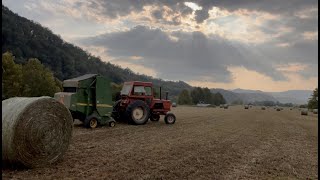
[[229, 96], [247, 96], [238, 90], [293, 96], [290, 96]]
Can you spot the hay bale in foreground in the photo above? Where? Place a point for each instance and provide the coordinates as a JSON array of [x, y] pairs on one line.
[[304, 112], [35, 131]]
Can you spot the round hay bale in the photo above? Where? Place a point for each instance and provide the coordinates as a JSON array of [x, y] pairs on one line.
[[304, 112], [246, 107], [278, 109], [263, 108], [226, 106], [315, 111], [36, 131]]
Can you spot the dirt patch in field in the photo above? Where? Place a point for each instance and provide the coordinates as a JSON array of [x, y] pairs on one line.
[[204, 143]]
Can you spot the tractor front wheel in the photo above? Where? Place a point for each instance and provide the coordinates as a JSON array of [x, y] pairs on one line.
[[170, 118], [138, 112], [91, 122]]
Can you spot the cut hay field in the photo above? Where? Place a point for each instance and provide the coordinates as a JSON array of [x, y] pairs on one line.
[[204, 143]]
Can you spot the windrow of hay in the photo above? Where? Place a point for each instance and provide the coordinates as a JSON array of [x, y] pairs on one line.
[[35, 131]]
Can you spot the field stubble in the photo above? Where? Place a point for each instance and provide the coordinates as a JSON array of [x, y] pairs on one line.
[[204, 143]]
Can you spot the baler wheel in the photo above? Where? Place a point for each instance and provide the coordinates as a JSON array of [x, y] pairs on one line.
[[91, 122], [112, 124]]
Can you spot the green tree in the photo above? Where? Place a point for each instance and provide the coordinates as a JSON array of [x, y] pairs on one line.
[[116, 88], [313, 100], [197, 95], [11, 77], [156, 92], [208, 96], [38, 80], [218, 99], [175, 99], [58, 84], [184, 97]]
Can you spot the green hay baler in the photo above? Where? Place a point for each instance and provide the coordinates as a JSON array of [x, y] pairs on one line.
[[89, 99]]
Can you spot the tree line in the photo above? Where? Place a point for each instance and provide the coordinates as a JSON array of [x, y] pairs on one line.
[[30, 79], [33, 79], [313, 100], [200, 95]]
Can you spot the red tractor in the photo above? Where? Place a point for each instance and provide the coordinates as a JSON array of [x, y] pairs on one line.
[[137, 104]]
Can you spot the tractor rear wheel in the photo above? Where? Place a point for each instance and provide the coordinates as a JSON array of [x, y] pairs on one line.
[[91, 122], [170, 118], [138, 112], [154, 117]]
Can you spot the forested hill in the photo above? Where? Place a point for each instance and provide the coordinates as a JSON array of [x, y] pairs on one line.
[[28, 39]]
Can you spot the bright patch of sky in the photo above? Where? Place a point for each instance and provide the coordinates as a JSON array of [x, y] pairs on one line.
[[193, 6]]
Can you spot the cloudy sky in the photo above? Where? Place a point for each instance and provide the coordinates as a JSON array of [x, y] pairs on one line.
[[269, 45]]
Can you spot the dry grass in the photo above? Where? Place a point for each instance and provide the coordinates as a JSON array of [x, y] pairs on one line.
[[204, 143]]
